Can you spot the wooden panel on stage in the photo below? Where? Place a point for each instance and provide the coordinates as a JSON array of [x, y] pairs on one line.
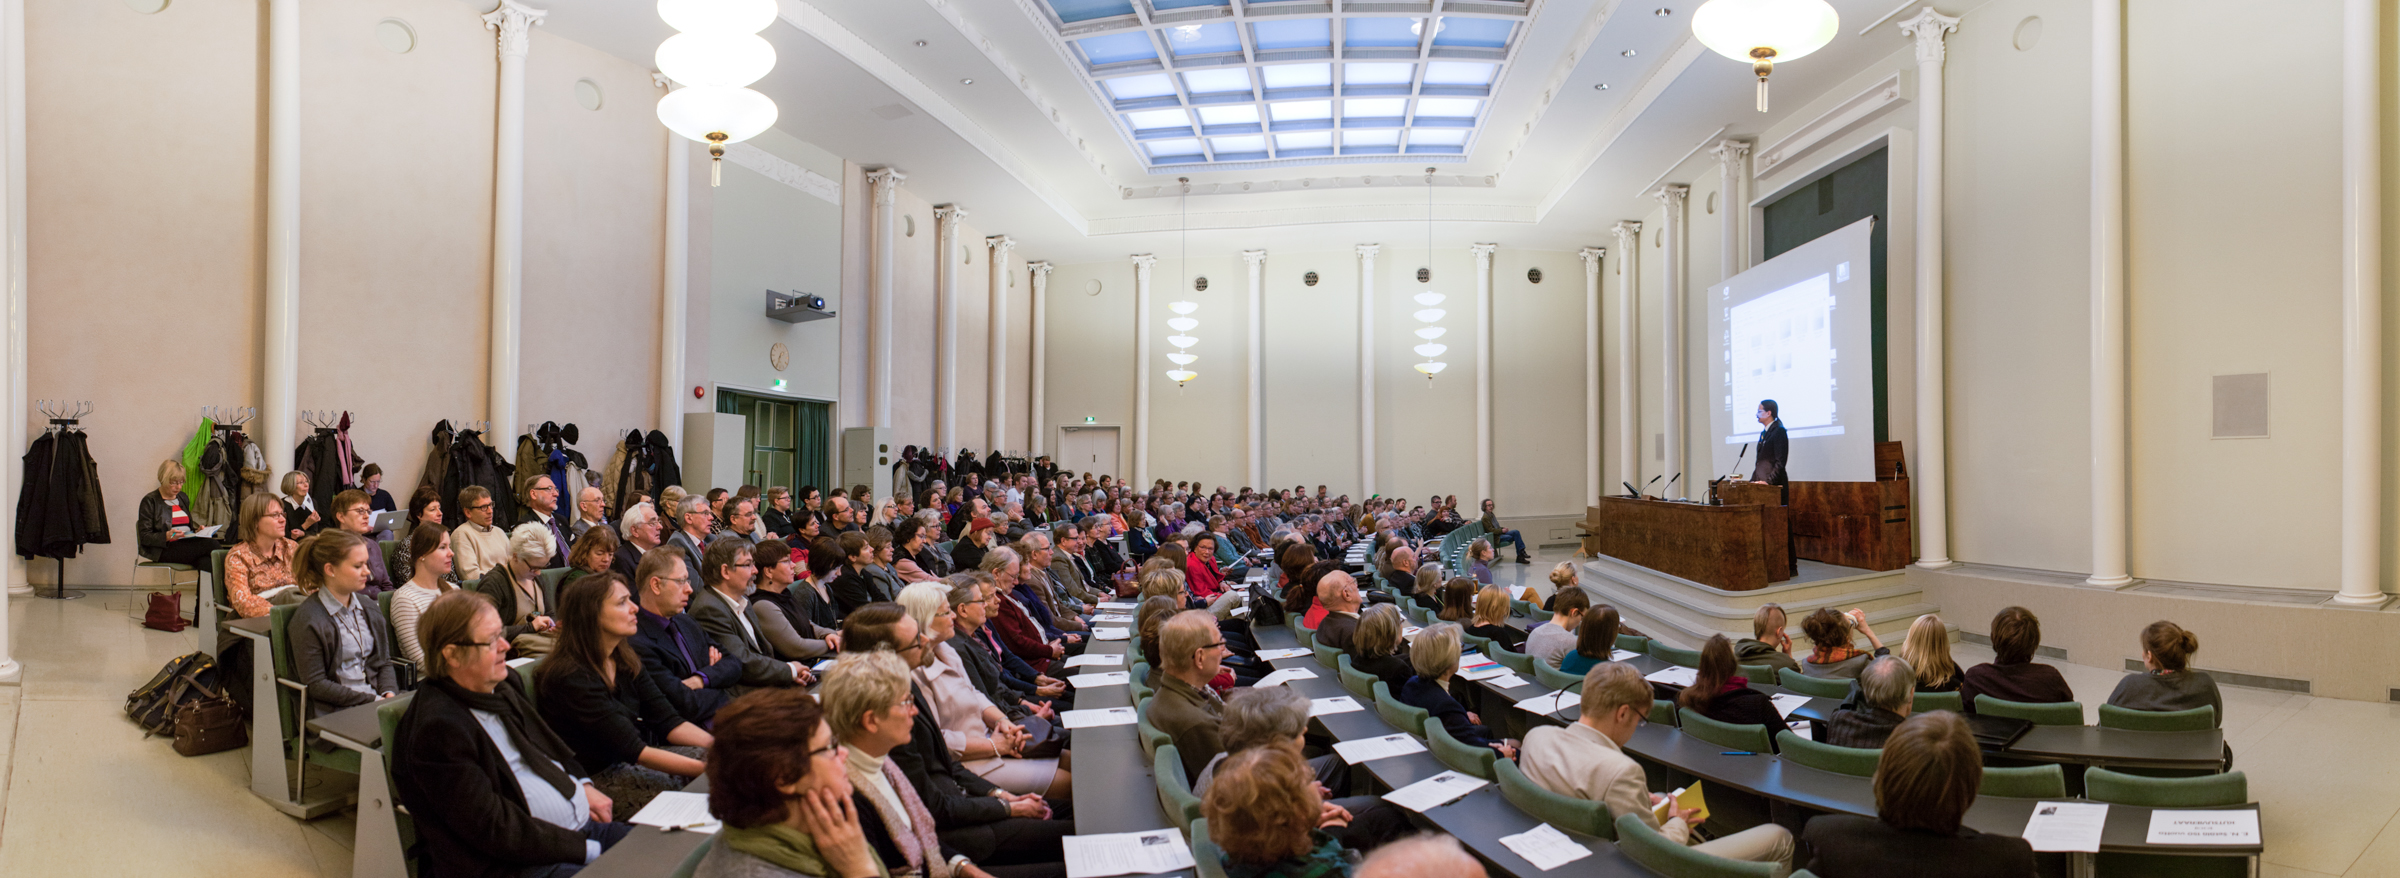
[[1853, 524], [1737, 548], [1748, 493]]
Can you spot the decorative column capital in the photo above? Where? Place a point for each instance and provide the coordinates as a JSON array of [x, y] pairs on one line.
[[1142, 263], [514, 22], [1730, 151], [1040, 269], [1929, 27], [1369, 251], [1673, 196], [947, 217], [1000, 245], [1483, 255], [661, 80], [1254, 257], [886, 183], [1627, 230], [1591, 258]]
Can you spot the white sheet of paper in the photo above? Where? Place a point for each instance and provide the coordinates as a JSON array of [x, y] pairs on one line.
[[1098, 716], [1508, 681], [2202, 827], [1119, 605], [1410, 632], [1623, 655], [1803, 728], [1238, 612], [521, 662], [1788, 702], [1276, 655], [1126, 853], [209, 531], [1336, 704], [1482, 672], [1283, 676], [1675, 676], [1545, 847], [1371, 749], [679, 810], [1113, 617], [1112, 660], [2066, 826], [1433, 792], [1547, 702], [1112, 634], [1106, 678]]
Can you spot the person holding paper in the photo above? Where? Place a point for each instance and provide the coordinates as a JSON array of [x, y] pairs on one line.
[[1267, 820], [979, 734], [1924, 785], [165, 530], [1882, 701], [1719, 695], [779, 782], [1435, 657], [1587, 760]]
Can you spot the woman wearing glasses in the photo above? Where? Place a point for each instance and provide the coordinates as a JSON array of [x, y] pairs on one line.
[[611, 714]]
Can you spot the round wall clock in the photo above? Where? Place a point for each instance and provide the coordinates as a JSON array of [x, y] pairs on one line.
[[779, 356]]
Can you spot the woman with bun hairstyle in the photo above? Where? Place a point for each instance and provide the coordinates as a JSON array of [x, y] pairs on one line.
[[2169, 683]]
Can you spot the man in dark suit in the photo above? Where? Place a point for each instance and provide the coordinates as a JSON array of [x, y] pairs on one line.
[[694, 675], [1774, 448], [541, 506], [722, 606], [1339, 593]]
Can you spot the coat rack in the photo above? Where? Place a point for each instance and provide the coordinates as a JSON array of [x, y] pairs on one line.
[[229, 417], [64, 415]]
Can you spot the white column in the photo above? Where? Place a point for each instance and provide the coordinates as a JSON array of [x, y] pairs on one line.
[[1931, 474], [1591, 373], [1037, 419], [1674, 196], [886, 184], [1257, 260], [1629, 344], [1733, 172], [674, 287], [514, 23], [1483, 369], [1141, 371], [2109, 528], [1366, 369], [279, 401], [12, 66], [2362, 306], [995, 429], [946, 218]]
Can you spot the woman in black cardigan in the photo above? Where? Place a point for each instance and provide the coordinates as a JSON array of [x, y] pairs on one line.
[[163, 529], [1719, 695], [475, 816], [592, 690]]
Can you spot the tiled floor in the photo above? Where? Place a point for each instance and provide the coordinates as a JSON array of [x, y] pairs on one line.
[[86, 795]]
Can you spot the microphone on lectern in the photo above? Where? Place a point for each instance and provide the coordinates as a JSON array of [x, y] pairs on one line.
[[1737, 459], [1631, 491], [1653, 480], [1670, 484]]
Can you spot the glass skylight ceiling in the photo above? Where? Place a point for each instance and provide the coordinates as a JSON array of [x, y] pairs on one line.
[[1196, 83]]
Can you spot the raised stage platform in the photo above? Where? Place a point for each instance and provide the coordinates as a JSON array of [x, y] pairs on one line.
[[1684, 613]]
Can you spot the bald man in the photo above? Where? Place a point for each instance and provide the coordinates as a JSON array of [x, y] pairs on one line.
[[1425, 856], [591, 510], [1339, 593]]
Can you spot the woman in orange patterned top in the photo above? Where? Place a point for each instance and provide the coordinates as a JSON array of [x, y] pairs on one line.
[[258, 570]]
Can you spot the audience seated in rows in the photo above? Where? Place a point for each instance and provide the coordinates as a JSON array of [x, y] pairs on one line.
[[1768, 644], [2012, 674], [1435, 688], [1026, 700], [694, 676], [780, 783], [1927, 649], [1718, 693], [614, 717], [1550, 642], [722, 607], [1924, 785], [1830, 653], [1883, 698], [979, 734]]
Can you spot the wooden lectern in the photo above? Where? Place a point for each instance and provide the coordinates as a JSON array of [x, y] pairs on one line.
[[1736, 548], [1857, 524]]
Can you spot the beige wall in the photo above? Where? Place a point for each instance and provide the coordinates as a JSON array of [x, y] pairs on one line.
[[769, 236]]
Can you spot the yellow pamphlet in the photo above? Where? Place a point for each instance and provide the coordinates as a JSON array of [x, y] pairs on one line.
[[1688, 797]]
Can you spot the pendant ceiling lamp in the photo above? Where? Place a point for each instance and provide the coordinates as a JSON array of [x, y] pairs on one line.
[[1428, 314], [1182, 322], [716, 54], [1763, 32]]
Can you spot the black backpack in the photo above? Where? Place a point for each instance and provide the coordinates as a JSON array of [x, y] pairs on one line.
[[189, 678]]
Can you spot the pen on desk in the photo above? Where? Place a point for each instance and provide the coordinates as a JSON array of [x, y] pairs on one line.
[[1737, 753]]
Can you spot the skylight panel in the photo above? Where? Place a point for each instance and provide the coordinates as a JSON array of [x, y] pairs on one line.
[[1376, 107], [1387, 73], [1185, 4], [1116, 48], [1149, 119], [1072, 11], [1217, 81], [1163, 149], [1231, 114], [1480, 33], [1437, 137], [1457, 73], [1289, 111], [1380, 32], [1447, 108], [1150, 85], [1293, 33], [1243, 143], [1367, 141], [1213, 38], [1296, 75], [1304, 140]]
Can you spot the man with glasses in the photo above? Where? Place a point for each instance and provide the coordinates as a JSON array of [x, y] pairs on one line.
[[722, 608], [696, 525], [477, 546], [1190, 653], [676, 652], [642, 529], [541, 507], [1587, 760]]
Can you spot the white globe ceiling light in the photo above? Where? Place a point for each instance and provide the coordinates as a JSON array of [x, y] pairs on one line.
[[1430, 333], [1183, 322], [715, 55], [1427, 313], [1764, 32]]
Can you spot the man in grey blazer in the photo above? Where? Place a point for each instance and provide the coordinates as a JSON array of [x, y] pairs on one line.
[[1067, 567], [721, 606]]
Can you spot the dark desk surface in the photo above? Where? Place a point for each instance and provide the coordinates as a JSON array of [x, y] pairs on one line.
[[2096, 745], [355, 723], [254, 626], [647, 852], [1115, 790]]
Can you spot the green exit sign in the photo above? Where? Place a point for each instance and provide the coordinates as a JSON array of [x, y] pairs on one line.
[[1088, 419]]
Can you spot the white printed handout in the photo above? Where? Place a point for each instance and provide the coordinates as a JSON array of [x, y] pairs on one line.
[[1098, 716], [1283, 676], [1336, 704], [678, 810], [2203, 827], [1126, 618], [1545, 847], [1623, 655], [2066, 826], [1126, 853], [1097, 660], [1094, 681], [1112, 633], [1127, 606], [1482, 672], [1371, 749], [1276, 655], [1508, 681], [1787, 702], [1548, 702], [1674, 676], [1433, 792]]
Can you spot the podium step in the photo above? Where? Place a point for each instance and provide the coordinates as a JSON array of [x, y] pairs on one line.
[[1685, 613]]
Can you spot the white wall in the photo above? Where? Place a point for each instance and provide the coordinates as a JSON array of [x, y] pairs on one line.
[[768, 235]]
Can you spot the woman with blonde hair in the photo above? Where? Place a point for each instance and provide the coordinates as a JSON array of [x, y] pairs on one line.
[[1491, 619], [1428, 596], [1927, 649], [166, 530]]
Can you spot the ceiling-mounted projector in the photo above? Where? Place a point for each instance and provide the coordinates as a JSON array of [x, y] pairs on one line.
[[796, 307]]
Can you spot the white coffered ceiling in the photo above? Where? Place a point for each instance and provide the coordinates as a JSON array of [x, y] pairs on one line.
[[1007, 108]]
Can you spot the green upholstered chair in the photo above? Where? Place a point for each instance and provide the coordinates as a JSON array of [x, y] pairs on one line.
[[1813, 687], [1471, 641], [391, 555], [292, 709], [1554, 678], [1756, 673], [1665, 856], [550, 579], [1571, 813], [1728, 735], [387, 718], [1515, 661], [402, 668], [1854, 761], [1152, 738], [1174, 790], [691, 861], [1359, 683], [1527, 609], [525, 680], [213, 605], [2208, 791], [1674, 655], [1460, 756], [2198, 719], [1326, 652], [1926, 701], [1401, 716], [1205, 856], [2029, 782], [1662, 712], [1141, 690], [2057, 713], [1305, 635], [1633, 643]]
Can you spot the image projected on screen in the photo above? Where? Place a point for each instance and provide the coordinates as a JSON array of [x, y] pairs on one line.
[[1782, 349]]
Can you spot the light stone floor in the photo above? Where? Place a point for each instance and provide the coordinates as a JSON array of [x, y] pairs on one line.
[[81, 793]]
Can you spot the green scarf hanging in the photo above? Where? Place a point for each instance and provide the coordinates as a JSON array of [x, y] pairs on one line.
[[784, 846]]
